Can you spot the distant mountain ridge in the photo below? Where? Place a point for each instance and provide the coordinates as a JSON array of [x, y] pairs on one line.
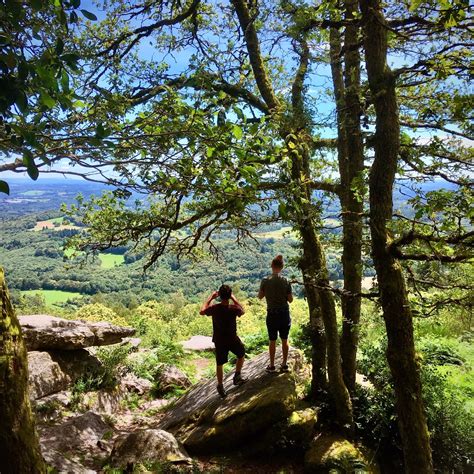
[[28, 196]]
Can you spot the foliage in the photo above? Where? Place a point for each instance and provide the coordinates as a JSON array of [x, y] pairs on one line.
[[450, 420], [38, 58], [97, 312]]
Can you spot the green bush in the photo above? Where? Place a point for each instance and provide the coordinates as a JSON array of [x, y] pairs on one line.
[[450, 422]]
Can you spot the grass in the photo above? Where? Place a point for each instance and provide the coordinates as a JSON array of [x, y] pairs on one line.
[[109, 260], [53, 297]]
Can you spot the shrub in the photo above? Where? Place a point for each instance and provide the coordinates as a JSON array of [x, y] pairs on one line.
[[98, 312], [449, 421]]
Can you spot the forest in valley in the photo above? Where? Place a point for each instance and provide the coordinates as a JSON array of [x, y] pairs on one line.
[[210, 137]]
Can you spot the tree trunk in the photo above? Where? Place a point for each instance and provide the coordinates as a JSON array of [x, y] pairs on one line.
[[298, 129], [346, 85], [318, 280], [19, 447], [396, 308], [319, 383]]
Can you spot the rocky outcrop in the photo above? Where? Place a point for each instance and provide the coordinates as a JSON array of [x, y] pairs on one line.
[[331, 452], [205, 423], [147, 446], [198, 343], [44, 332], [170, 377], [82, 441], [45, 375], [132, 383], [54, 371]]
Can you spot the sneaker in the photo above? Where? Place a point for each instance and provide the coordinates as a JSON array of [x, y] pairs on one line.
[[284, 368], [271, 369], [239, 380], [221, 391]]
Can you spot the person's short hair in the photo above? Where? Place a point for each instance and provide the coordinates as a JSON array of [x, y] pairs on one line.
[[225, 291], [277, 262]]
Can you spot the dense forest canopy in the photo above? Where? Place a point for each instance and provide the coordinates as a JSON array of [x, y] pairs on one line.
[[228, 116]]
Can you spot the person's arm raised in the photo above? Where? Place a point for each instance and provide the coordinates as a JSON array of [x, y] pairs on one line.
[[207, 303], [239, 305]]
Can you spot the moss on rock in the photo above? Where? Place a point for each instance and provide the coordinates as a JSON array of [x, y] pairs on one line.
[[335, 454], [205, 423]]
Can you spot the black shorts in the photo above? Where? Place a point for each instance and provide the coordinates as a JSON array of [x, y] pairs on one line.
[[223, 348], [278, 321]]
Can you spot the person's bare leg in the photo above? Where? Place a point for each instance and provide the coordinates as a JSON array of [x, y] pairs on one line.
[[271, 350], [220, 374], [284, 350]]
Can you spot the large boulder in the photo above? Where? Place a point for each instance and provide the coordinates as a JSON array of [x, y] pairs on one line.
[[53, 371], [198, 343], [45, 375], [145, 446], [44, 332], [170, 377], [83, 439], [333, 453], [133, 384], [205, 423]]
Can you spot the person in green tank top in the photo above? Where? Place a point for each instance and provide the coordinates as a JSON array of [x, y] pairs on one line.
[[276, 290]]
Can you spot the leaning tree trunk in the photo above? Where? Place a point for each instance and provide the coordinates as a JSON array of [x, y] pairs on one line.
[[346, 85], [396, 308], [19, 447]]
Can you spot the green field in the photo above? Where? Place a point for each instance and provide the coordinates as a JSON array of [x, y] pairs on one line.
[[53, 297], [109, 260]]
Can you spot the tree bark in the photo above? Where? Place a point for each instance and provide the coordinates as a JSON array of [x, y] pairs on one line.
[[396, 308], [19, 447], [318, 282], [319, 383], [346, 83], [295, 131]]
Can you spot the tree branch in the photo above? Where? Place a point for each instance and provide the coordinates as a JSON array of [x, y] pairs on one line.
[[255, 55]]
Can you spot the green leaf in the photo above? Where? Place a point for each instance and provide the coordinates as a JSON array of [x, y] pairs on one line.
[[282, 210], [65, 80], [27, 157], [47, 100], [89, 15], [70, 58], [4, 188], [59, 46], [237, 131], [76, 3], [100, 131], [239, 113], [31, 167], [415, 4], [210, 151]]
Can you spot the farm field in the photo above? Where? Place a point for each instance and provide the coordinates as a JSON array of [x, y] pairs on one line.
[[109, 260], [53, 297]]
